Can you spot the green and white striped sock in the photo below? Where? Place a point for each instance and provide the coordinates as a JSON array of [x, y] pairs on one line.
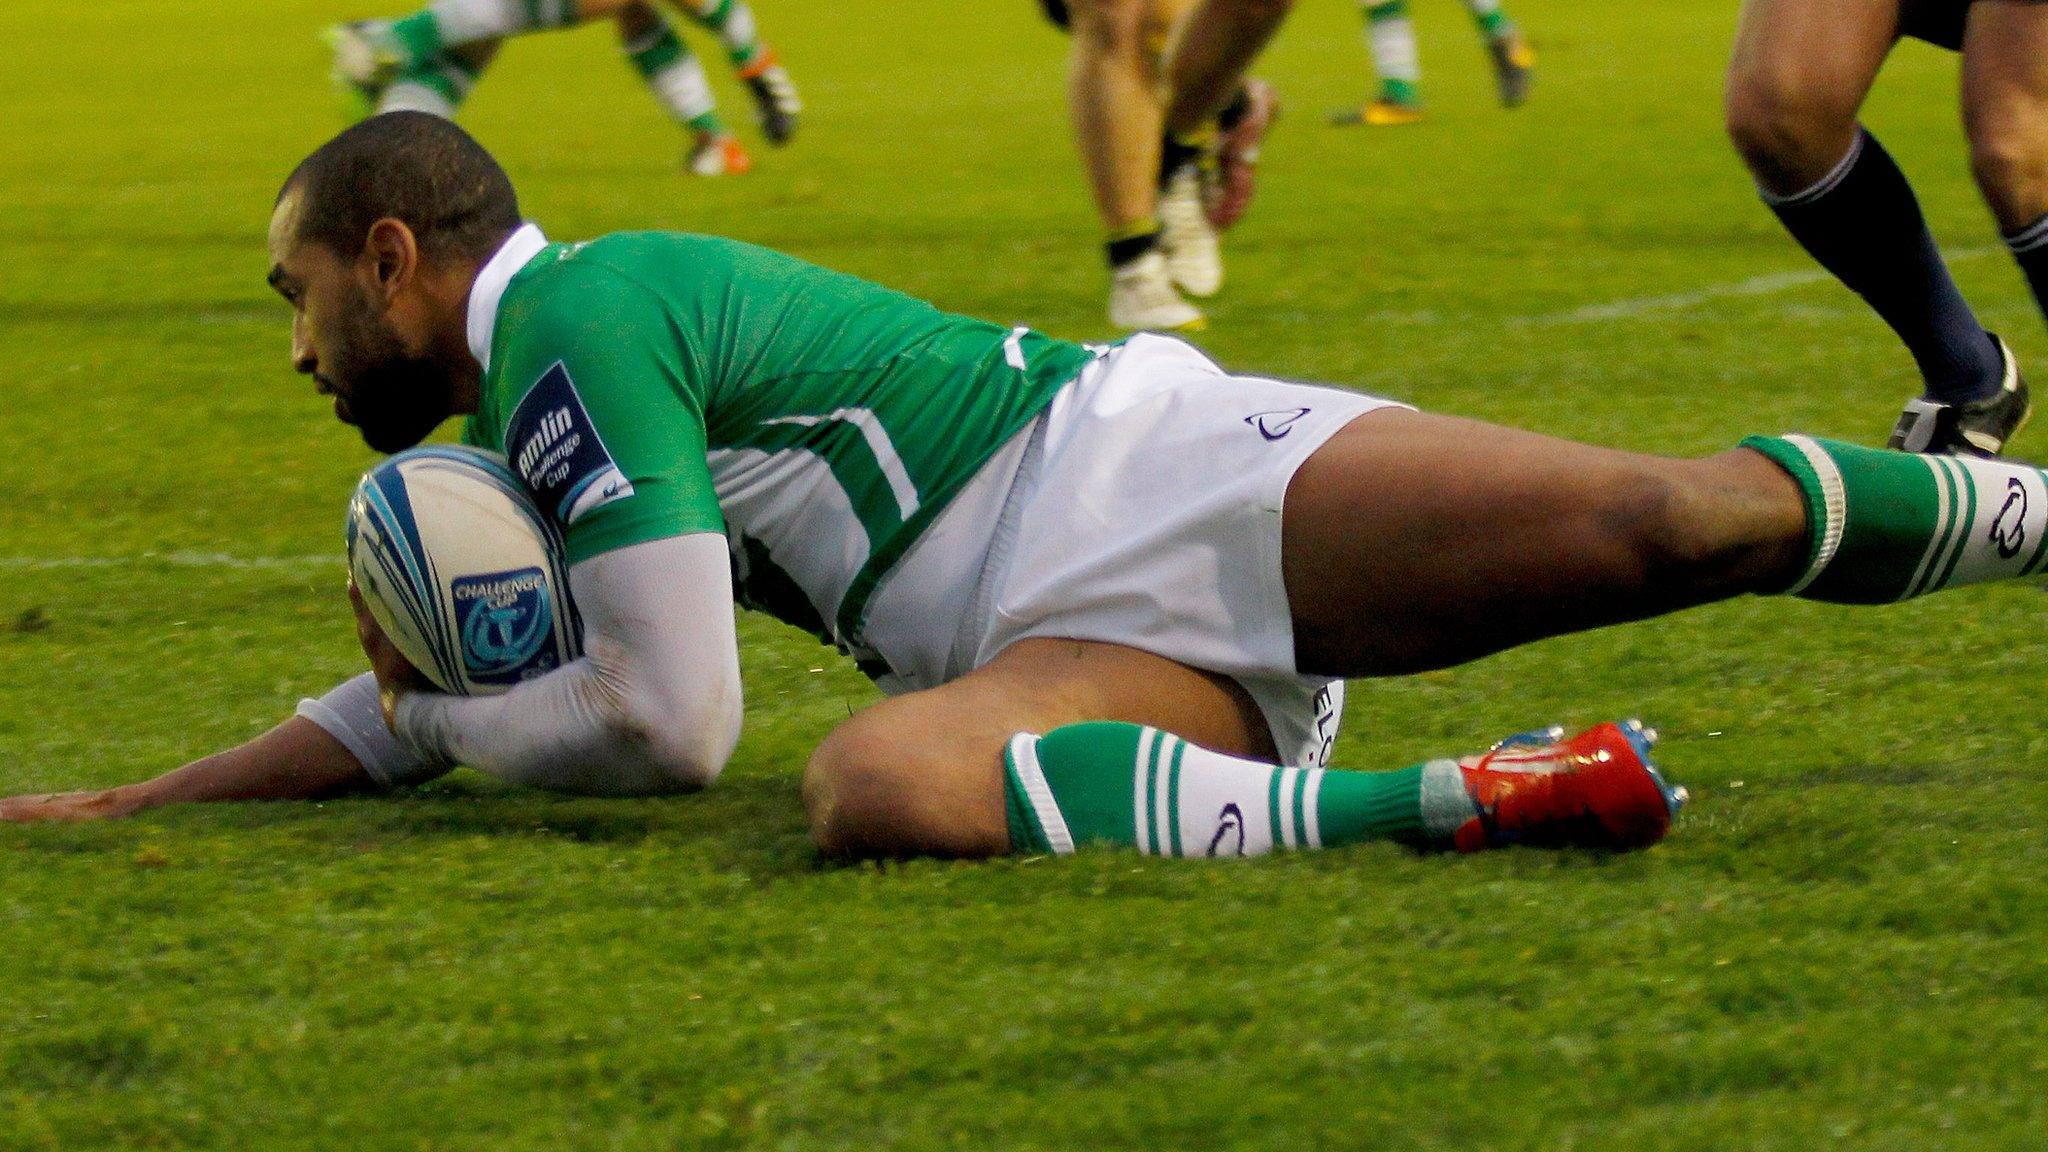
[[446, 24], [1390, 37], [1492, 19], [733, 23], [1889, 525], [677, 78], [439, 87], [1136, 787]]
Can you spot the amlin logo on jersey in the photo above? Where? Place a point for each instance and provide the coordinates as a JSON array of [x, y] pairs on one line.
[[503, 619], [556, 450]]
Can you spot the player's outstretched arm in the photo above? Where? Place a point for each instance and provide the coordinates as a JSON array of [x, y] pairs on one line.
[[652, 707], [297, 760]]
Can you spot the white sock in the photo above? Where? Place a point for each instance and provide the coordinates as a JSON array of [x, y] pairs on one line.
[[1390, 36], [413, 96], [467, 21]]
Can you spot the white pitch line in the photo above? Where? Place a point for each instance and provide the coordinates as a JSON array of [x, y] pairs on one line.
[[1767, 285], [170, 560]]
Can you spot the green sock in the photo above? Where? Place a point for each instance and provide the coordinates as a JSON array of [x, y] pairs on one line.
[[678, 80], [1136, 787], [419, 37], [1390, 37], [1891, 525], [1492, 20], [733, 23]]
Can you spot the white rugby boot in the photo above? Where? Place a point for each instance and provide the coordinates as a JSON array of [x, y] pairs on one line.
[[1142, 297], [1194, 258]]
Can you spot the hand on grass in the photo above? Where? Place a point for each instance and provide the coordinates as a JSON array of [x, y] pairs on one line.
[[71, 807]]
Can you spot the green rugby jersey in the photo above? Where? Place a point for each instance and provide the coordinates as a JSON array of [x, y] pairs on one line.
[[650, 384]]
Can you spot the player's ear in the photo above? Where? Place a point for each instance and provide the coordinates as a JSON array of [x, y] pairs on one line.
[[391, 255]]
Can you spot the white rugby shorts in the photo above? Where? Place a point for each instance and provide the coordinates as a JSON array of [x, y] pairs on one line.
[[1142, 508]]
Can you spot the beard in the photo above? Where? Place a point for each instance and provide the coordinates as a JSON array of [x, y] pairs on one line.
[[393, 397]]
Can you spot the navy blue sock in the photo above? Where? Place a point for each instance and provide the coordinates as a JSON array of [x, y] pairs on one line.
[[2030, 247], [1863, 224]]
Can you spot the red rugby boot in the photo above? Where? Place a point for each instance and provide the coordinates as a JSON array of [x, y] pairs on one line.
[[1595, 790]]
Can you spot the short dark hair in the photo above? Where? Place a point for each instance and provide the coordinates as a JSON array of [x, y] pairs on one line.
[[413, 167]]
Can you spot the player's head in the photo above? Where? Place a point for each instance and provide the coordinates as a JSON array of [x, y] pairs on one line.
[[373, 240]]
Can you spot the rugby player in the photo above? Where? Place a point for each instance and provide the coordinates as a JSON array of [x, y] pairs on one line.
[[1800, 73], [429, 62], [1162, 196], [1110, 589], [1390, 39]]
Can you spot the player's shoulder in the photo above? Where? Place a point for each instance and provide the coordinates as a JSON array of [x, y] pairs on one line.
[[588, 280], [660, 258]]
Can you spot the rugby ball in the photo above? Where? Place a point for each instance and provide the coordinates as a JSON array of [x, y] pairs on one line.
[[461, 570]]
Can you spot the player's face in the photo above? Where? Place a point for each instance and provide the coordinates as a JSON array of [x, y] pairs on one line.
[[343, 337]]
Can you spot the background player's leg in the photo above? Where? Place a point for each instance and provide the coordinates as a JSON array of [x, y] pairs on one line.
[[1514, 62], [370, 54], [1194, 254], [1059, 743], [442, 84], [1415, 541], [447, 24], [2005, 111], [1113, 94], [1396, 60], [1217, 42], [678, 82], [776, 104], [1800, 72]]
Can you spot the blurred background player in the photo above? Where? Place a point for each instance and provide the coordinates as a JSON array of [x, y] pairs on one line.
[[1162, 197], [1390, 38], [1800, 73], [430, 60]]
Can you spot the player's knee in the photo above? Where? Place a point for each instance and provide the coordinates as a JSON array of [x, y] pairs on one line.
[[1781, 124], [852, 788], [1109, 25], [2012, 170]]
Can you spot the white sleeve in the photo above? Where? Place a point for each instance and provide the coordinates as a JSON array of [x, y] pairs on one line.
[[351, 714], [652, 706]]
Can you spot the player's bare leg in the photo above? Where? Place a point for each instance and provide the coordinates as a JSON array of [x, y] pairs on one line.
[[1206, 63], [922, 774], [1412, 541], [1114, 101], [1800, 73], [1058, 743], [1113, 95], [2005, 112], [1416, 541]]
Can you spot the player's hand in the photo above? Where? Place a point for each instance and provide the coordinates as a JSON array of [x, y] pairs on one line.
[[71, 807], [395, 674]]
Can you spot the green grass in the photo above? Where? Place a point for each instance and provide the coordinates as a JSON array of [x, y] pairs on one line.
[[1840, 946]]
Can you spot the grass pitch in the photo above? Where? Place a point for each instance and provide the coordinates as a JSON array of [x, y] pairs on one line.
[[1841, 945]]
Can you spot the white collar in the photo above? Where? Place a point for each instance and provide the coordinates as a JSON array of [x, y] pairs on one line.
[[489, 287]]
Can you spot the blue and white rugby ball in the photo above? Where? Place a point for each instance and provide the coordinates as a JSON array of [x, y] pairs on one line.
[[461, 570]]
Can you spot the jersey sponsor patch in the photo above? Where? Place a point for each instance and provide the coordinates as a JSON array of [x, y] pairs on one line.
[[555, 448]]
